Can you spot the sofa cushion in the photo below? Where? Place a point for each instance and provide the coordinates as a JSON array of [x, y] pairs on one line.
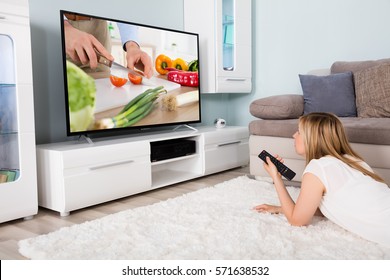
[[333, 93], [372, 87], [354, 66], [279, 128], [359, 130], [278, 107], [367, 130]]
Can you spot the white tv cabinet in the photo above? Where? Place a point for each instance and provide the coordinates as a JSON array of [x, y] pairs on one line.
[[76, 174]]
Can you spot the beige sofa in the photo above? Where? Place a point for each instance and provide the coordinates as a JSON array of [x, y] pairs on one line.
[[369, 131]]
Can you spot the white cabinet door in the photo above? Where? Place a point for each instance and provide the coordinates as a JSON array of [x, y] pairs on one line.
[[225, 148], [18, 194], [96, 184], [225, 34], [74, 175]]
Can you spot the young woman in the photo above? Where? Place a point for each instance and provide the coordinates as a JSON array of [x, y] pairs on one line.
[[336, 181]]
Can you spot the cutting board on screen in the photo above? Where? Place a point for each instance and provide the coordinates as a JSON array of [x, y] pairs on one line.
[[110, 97]]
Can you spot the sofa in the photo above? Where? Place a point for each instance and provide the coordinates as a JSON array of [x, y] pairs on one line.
[[358, 92]]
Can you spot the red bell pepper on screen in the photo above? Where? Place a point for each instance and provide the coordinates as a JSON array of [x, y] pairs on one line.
[[184, 78]]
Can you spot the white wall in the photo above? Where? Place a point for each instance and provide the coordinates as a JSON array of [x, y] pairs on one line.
[[289, 37], [293, 37]]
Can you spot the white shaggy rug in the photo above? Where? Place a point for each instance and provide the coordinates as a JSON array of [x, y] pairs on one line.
[[212, 223]]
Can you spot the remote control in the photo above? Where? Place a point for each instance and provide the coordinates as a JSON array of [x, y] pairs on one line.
[[284, 170]]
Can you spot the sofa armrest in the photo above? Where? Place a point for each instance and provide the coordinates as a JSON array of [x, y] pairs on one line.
[[278, 107]]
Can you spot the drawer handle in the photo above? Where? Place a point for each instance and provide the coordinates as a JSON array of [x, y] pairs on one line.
[[235, 79], [229, 143], [110, 164]]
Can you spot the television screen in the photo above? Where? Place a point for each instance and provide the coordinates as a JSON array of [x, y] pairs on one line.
[[122, 75]]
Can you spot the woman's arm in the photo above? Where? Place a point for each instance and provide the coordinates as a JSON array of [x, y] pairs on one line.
[[301, 212], [307, 202]]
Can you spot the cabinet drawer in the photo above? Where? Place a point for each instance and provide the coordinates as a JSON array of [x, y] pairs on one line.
[[100, 155], [88, 186], [225, 156], [226, 136]]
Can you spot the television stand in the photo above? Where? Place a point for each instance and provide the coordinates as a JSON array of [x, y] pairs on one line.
[[87, 138], [74, 175], [185, 125]]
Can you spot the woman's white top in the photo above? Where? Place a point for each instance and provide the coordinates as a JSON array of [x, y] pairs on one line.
[[353, 200]]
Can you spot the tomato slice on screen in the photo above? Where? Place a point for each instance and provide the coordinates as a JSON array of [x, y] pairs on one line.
[[135, 79], [117, 81]]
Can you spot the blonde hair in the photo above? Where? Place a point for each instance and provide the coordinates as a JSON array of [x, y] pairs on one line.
[[324, 134]]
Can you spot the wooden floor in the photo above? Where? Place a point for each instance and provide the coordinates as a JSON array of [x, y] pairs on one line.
[[47, 221]]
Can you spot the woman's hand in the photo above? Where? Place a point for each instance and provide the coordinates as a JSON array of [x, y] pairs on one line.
[[273, 209], [271, 168]]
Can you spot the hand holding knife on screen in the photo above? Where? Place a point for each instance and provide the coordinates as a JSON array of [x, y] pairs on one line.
[[82, 47], [136, 77]]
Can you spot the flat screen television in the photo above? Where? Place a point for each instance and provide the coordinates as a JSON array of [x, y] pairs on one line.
[[101, 96]]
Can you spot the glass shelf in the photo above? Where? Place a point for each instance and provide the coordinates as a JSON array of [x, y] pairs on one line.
[[8, 109], [7, 85]]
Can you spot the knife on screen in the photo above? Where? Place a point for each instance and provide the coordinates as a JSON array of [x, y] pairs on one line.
[[119, 70]]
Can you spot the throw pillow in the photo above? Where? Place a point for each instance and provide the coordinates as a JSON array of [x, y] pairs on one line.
[[278, 107], [333, 93], [373, 92]]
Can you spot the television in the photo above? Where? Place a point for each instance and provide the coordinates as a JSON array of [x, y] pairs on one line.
[[162, 87]]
